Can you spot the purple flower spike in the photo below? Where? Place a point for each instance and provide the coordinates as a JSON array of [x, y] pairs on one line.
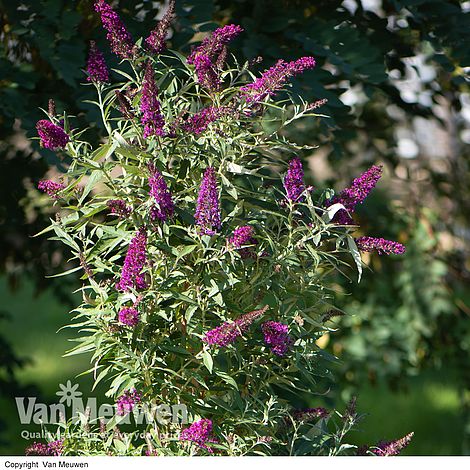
[[96, 66], [228, 332], [51, 188], [294, 181], [152, 118], [213, 45], [207, 209], [276, 335], [382, 246], [156, 40], [356, 194], [385, 449], [200, 432], [209, 55], [119, 207], [127, 401], [128, 316], [37, 449], [52, 136], [120, 39], [200, 121], [55, 448], [164, 207], [243, 236], [134, 262], [273, 79]]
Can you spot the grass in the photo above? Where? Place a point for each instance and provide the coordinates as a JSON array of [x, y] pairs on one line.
[[430, 407]]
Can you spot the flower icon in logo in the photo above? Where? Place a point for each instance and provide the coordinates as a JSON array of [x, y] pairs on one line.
[[68, 393]]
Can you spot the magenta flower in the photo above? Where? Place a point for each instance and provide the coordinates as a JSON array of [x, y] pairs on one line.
[[128, 316], [356, 194], [213, 45], [136, 257], [164, 207], [127, 401], [273, 79], [382, 246], [228, 332], [200, 432], [241, 237], [200, 121], [276, 335], [210, 53], [96, 66], [52, 136], [294, 181], [152, 118], [156, 40], [119, 207], [309, 414], [120, 39], [388, 448], [207, 209], [51, 188], [38, 449]]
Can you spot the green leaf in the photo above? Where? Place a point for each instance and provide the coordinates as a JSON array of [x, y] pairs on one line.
[[207, 360]]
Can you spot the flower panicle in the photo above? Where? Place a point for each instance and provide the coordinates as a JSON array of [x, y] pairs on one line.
[[156, 42], [136, 257], [118, 36], [127, 401], [164, 207], [241, 237], [96, 69], [207, 213], [228, 332], [294, 181], [119, 207], [389, 448], [382, 246], [51, 188], [276, 336], [199, 122], [200, 432], [152, 118], [128, 316], [274, 79], [52, 136]]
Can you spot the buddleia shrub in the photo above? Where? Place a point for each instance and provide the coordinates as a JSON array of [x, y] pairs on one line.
[[206, 260]]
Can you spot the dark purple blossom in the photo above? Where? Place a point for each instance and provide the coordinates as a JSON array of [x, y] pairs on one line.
[[39, 449], [208, 56], [273, 79], [128, 316], [276, 335], [228, 332], [382, 246], [294, 181], [134, 262], [213, 45], [119, 37], [156, 40], [52, 136], [164, 207], [127, 401], [206, 73], [389, 448], [51, 188], [241, 237], [309, 414], [152, 118], [200, 121], [207, 209], [119, 207], [356, 194], [200, 432], [96, 66]]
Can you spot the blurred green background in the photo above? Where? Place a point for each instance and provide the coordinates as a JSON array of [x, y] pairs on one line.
[[395, 74]]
